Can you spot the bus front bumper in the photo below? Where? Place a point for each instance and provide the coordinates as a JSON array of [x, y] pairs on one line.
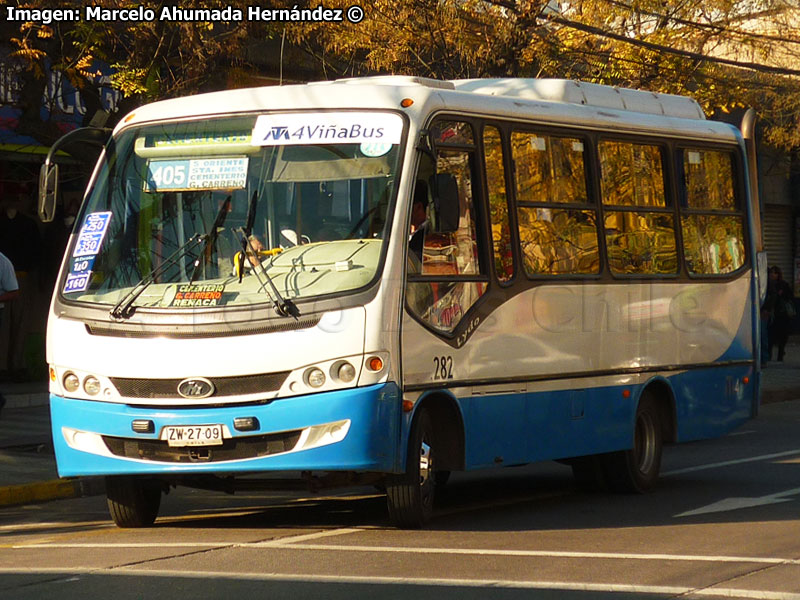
[[344, 430]]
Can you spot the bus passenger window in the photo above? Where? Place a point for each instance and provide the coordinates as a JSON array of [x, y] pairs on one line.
[[639, 227], [713, 241], [498, 204], [557, 226]]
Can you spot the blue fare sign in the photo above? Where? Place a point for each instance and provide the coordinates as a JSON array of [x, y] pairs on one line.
[[90, 239], [196, 174], [92, 233]]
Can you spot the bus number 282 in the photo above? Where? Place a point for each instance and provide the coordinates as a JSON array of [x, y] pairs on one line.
[[442, 367]]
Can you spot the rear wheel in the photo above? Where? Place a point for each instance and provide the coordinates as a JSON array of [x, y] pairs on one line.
[[133, 501], [410, 495], [636, 470]]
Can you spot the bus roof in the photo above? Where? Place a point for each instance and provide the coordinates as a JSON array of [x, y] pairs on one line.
[[545, 101]]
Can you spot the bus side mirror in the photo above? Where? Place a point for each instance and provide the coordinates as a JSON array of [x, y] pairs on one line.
[[446, 203], [48, 191]]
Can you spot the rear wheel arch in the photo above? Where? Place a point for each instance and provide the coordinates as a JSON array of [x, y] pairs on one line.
[[662, 394]]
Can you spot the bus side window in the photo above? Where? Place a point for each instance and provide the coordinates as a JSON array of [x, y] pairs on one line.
[[557, 224], [432, 295], [498, 204], [639, 225], [711, 221]]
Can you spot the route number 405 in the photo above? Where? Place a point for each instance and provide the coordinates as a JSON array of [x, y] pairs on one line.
[[442, 367], [169, 175]]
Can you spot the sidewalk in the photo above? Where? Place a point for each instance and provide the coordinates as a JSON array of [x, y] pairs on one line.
[[27, 466]]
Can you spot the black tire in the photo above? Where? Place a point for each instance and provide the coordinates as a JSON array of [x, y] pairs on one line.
[[410, 495], [441, 478], [636, 470], [133, 501]]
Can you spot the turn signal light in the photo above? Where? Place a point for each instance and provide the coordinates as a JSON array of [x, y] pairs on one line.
[[375, 363]]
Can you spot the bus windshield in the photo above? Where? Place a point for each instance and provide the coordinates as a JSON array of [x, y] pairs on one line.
[[204, 213]]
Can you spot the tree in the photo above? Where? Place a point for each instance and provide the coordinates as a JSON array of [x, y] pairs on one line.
[[151, 58], [727, 54]]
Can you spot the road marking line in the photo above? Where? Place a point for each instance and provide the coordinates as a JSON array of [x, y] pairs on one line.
[[292, 544], [729, 463], [306, 536], [90, 545], [545, 554], [737, 503], [422, 581]]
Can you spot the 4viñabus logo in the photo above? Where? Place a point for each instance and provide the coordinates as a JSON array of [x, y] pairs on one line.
[[315, 133]]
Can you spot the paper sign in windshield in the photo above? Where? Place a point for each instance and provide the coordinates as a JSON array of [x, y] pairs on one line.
[[198, 295], [196, 174], [296, 129], [90, 239]]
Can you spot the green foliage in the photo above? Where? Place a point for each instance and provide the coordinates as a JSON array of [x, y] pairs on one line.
[[727, 54]]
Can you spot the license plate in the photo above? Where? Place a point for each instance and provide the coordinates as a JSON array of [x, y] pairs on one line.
[[192, 435]]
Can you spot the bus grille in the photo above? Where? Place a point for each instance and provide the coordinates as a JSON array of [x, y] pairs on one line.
[[223, 386], [231, 449]]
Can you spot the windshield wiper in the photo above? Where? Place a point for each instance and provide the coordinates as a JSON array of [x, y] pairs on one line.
[[284, 306], [211, 236], [248, 230], [124, 308]]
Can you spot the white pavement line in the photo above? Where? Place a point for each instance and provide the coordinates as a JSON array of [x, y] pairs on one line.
[[729, 463], [287, 541], [73, 545], [546, 554], [420, 581], [46, 525], [292, 544]]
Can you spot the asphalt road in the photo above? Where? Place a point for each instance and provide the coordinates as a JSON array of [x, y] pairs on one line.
[[723, 523]]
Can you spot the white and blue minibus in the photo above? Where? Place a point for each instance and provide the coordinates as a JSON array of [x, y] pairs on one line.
[[384, 280]]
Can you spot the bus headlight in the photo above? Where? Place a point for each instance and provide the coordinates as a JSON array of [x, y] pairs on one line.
[[345, 372], [314, 377], [91, 385], [71, 382]]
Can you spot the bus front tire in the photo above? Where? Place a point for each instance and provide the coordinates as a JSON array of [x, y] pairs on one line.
[[410, 495], [133, 501], [636, 470]]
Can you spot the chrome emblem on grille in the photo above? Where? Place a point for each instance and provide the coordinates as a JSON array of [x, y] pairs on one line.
[[196, 388]]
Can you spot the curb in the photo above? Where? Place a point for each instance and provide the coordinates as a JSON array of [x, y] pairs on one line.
[[55, 489]]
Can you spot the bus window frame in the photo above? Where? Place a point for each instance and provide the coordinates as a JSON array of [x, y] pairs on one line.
[[670, 202], [740, 196], [592, 196], [508, 176], [482, 232]]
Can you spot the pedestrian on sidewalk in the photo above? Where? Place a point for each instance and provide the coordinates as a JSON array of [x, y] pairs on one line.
[[780, 301], [9, 290]]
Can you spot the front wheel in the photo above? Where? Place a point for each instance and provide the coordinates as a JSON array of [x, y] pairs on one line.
[[636, 470], [133, 501], [410, 495]]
